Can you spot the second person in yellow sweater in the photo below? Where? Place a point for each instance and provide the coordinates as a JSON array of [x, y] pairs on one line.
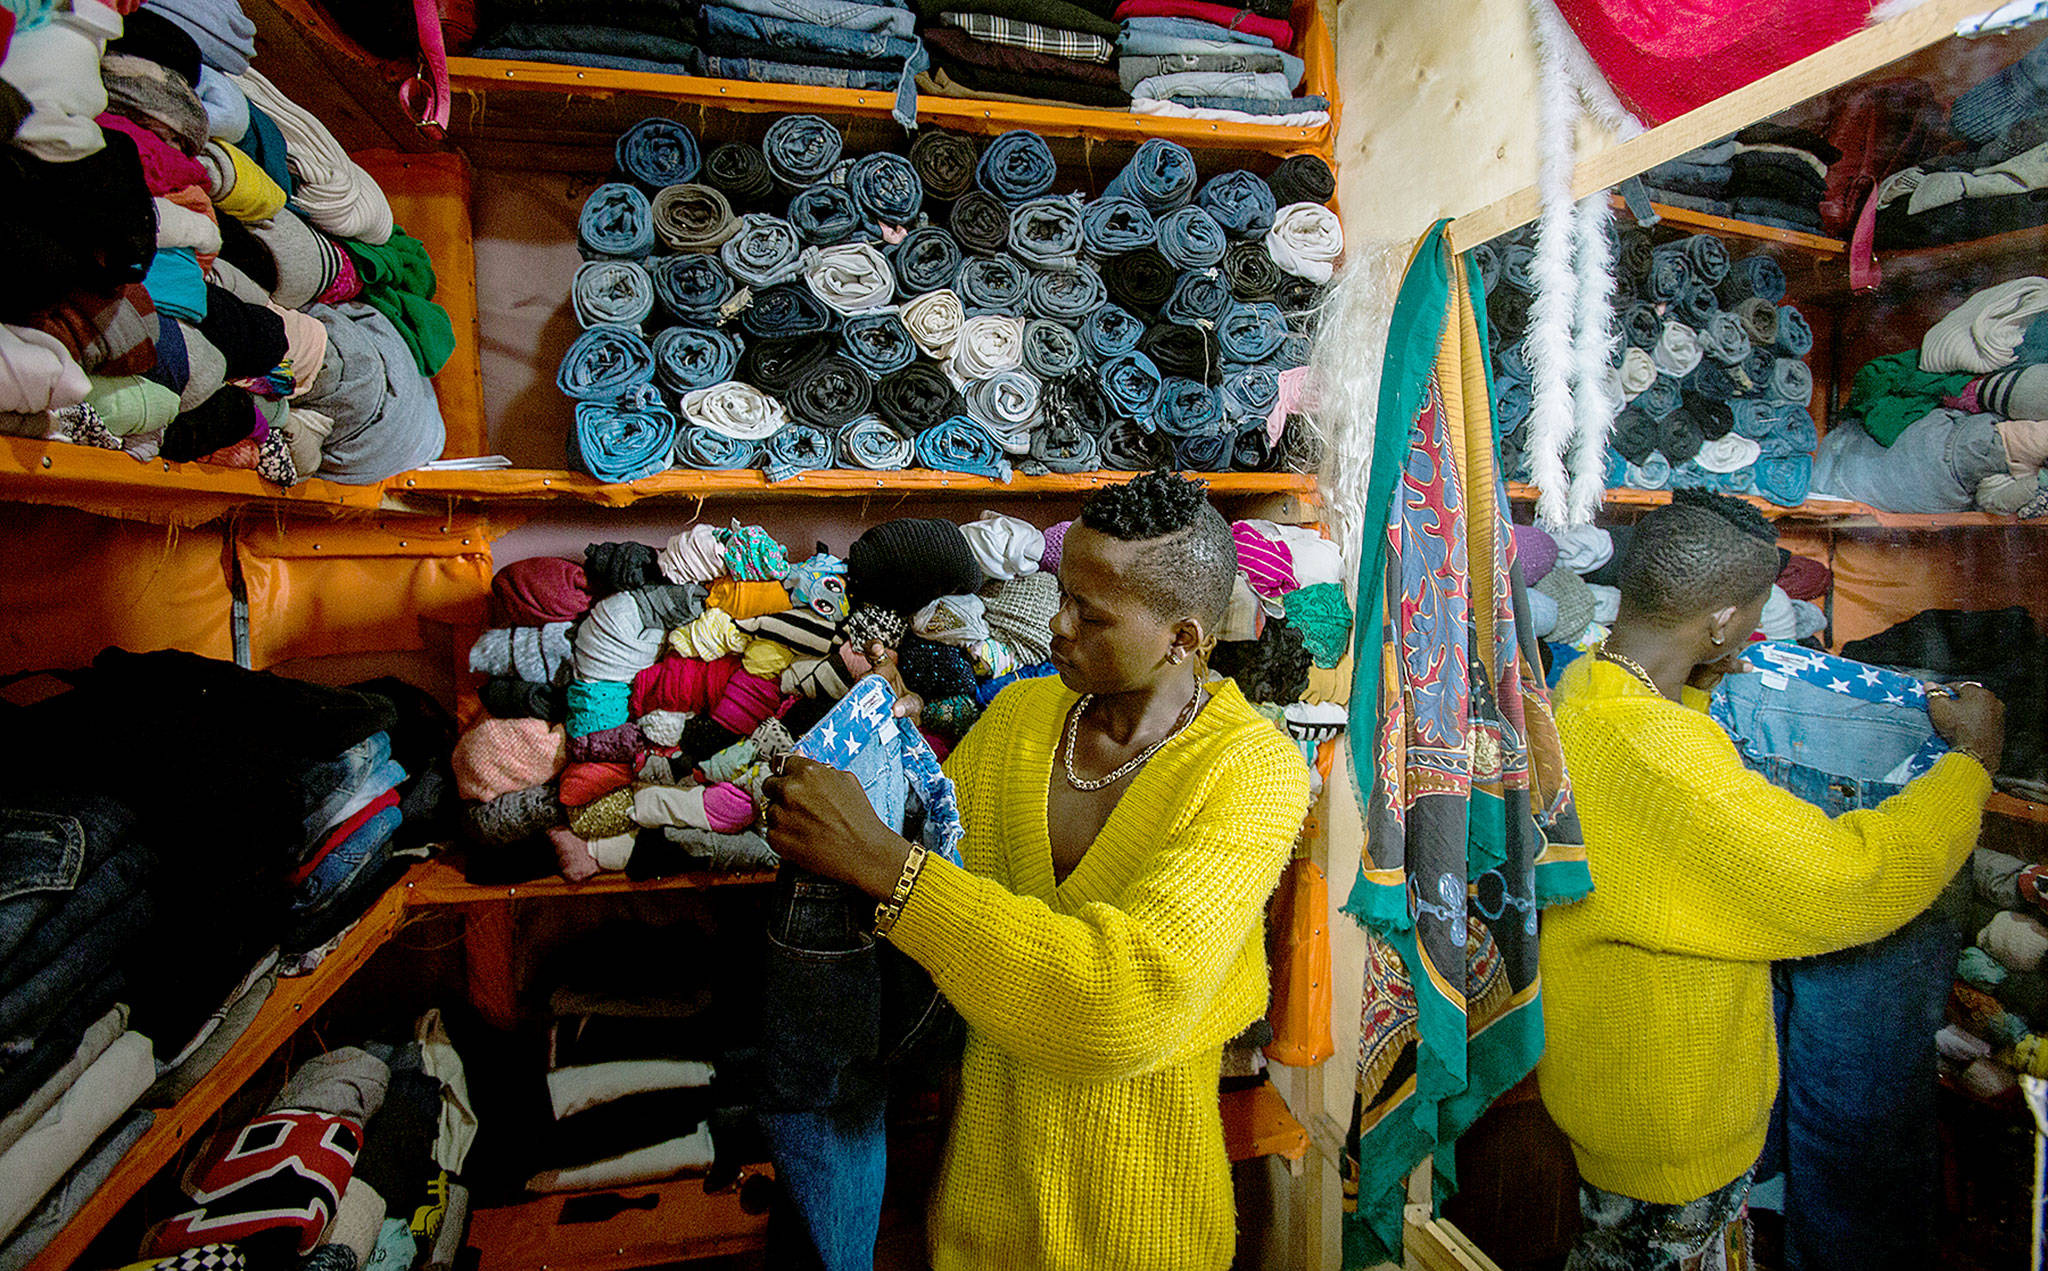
[[1662, 1059]]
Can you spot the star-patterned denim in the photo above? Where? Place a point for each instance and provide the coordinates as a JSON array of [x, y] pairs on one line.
[[1839, 734]]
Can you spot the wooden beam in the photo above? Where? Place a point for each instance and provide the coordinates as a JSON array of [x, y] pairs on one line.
[[1858, 55]]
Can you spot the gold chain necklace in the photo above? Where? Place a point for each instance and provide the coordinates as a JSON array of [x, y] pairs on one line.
[[1630, 665], [1074, 779]]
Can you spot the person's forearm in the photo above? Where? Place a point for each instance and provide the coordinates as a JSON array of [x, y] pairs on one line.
[[875, 864]]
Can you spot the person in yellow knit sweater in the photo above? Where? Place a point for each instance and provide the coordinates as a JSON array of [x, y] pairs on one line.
[[1661, 1061], [1125, 825]]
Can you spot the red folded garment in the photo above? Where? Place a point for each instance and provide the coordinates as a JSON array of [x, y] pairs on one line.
[[1221, 14], [586, 783], [682, 684], [340, 833]]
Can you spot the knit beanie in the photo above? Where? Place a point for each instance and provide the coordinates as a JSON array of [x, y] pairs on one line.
[[1019, 612], [1536, 550], [871, 623], [156, 97], [151, 36], [615, 567], [1004, 546], [799, 629], [498, 756], [305, 268], [1574, 604], [933, 670], [1273, 668], [539, 590], [1055, 538], [907, 563]]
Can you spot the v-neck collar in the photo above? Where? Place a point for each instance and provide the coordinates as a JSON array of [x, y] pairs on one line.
[[1038, 754]]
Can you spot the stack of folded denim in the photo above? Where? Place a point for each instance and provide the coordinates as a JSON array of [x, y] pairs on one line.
[[793, 308], [1215, 61], [658, 36], [1767, 173], [1060, 52], [1709, 367], [824, 43]]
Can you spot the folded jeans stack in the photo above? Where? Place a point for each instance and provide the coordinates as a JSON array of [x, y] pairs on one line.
[[1214, 61]]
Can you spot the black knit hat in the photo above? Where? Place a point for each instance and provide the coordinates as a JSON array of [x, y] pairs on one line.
[[148, 34], [908, 563]]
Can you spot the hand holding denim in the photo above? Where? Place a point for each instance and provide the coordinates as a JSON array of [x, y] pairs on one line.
[[657, 152], [961, 445], [870, 443], [692, 218], [1051, 349], [1067, 297], [612, 292], [917, 397], [1110, 330], [928, 259], [1132, 383], [766, 250], [604, 363], [1191, 239], [687, 358], [734, 409], [886, 188], [1045, 233], [991, 284], [850, 278], [1160, 177], [801, 149], [878, 342], [1113, 226], [1199, 295], [626, 441], [778, 313], [1017, 165], [617, 222]]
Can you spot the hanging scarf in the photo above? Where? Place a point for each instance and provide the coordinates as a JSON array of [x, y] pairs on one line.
[[1469, 822]]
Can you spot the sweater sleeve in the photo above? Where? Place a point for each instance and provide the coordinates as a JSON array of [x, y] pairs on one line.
[[1114, 990], [1757, 873]]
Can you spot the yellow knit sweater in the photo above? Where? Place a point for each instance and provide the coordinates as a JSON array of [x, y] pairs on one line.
[[1087, 1133], [1662, 1059]]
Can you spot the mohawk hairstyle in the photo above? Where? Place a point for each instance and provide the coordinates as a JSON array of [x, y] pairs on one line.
[[1703, 551], [1191, 564]]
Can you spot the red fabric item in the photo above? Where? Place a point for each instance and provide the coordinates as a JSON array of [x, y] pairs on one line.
[[1221, 14], [164, 166], [748, 700], [539, 590], [1666, 57], [279, 1180], [682, 684], [584, 783], [340, 833], [1805, 578], [7, 30], [1882, 128], [941, 746]]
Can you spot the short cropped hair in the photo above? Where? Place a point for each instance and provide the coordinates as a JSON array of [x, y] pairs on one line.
[[1702, 552], [1190, 564]]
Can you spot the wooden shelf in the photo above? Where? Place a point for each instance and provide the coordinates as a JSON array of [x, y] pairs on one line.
[[657, 1224], [1831, 512], [1907, 268], [291, 1004], [2017, 808], [527, 485], [33, 471], [1256, 1122], [436, 883], [1748, 231], [485, 76]]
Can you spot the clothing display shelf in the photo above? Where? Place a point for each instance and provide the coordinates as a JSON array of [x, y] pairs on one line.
[[1767, 236], [291, 1004], [529, 485], [1825, 512]]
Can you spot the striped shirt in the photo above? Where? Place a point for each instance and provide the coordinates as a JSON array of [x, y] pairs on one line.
[[1052, 41]]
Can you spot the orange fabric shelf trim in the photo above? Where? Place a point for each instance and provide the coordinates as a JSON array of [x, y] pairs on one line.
[[512, 484]]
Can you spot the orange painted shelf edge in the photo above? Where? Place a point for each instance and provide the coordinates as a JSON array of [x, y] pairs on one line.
[[512, 484], [2017, 808], [37, 471], [1256, 1122], [1832, 511], [437, 883], [1734, 227], [292, 1003], [685, 1223]]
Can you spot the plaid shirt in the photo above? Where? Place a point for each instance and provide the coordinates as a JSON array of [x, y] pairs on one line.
[[1051, 41]]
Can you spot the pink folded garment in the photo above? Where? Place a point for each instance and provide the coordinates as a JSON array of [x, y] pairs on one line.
[[1222, 15], [498, 756], [1267, 564]]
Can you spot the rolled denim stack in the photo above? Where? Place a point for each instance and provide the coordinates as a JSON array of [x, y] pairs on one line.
[[949, 308], [1709, 369], [1201, 60]]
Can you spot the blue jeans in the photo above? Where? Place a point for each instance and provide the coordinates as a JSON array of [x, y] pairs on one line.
[[1933, 466], [44, 853], [842, 1014]]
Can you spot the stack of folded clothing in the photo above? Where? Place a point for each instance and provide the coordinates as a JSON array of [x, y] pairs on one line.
[[696, 663], [658, 36], [204, 273], [355, 1162], [1997, 1018], [825, 43], [1991, 176], [1767, 173], [1957, 424], [1206, 60], [1710, 369], [1058, 51], [791, 311]]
